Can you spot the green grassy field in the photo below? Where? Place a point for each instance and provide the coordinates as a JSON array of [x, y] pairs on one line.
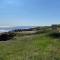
[[31, 47]]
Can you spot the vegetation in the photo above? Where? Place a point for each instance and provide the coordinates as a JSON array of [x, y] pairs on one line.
[[6, 36], [55, 35], [31, 45]]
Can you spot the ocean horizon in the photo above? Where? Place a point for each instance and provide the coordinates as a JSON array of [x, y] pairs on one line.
[[7, 29], [4, 31]]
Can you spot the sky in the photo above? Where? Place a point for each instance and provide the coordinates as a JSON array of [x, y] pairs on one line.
[[29, 12]]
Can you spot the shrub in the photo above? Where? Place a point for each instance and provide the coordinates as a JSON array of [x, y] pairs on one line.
[[6, 36], [55, 35]]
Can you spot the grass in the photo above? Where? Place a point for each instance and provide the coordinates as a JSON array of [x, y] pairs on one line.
[[31, 47]]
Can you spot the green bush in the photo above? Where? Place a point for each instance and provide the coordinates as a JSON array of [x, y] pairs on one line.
[[54, 35], [6, 36]]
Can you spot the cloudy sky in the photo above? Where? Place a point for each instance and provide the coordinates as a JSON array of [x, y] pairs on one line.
[[29, 12]]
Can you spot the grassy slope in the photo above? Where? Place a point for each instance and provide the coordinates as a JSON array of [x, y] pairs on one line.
[[33, 47]]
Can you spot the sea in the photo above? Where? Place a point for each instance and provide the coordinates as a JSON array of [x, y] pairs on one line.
[[7, 29]]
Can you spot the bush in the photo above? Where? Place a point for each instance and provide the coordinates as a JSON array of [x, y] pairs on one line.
[[55, 35], [6, 36]]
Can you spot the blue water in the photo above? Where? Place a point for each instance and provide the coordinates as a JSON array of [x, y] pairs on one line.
[[5, 29]]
